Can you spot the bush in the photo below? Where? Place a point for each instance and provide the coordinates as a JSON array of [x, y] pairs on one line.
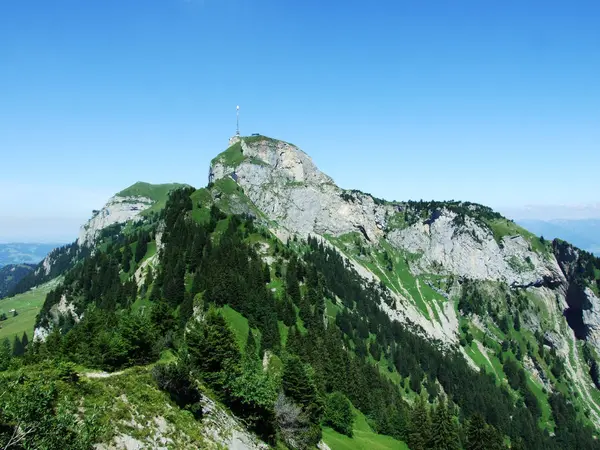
[[33, 416], [67, 372], [293, 426], [339, 414], [175, 379]]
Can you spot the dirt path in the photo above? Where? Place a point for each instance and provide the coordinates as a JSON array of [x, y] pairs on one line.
[[101, 374]]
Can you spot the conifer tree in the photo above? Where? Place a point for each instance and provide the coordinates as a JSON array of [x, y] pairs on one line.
[[214, 351], [271, 340], [477, 438], [266, 274], [141, 247], [420, 426], [17, 347], [25, 340], [195, 255], [444, 434], [5, 354], [298, 385], [126, 259], [186, 310], [251, 349]]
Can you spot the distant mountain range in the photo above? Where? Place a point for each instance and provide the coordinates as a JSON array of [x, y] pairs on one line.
[[20, 253], [584, 233]]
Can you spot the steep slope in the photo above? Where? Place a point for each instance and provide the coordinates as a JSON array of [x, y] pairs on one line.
[[426, 252], [283, 296], [130, 204], [140, 202]]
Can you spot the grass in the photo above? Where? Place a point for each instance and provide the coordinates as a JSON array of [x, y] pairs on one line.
[[157, 192], [227, 185], [238, 323], [201, 215], [123, 401], [232, 156], [283, 333], [504, 227], [546, 421], [331, 309], [28, 306], [364, 438], [141, 304]]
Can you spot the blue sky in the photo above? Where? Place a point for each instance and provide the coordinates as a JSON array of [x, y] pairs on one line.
[[493, 102]]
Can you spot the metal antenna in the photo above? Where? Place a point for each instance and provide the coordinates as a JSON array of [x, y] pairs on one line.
[[237, 132]]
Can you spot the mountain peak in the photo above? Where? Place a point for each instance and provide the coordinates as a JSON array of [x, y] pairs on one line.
[[263, 160], [131, 203]]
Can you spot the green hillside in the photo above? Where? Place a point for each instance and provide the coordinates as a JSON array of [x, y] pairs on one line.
[[287, 336], [363, 438], [157, 192], [27, 305]]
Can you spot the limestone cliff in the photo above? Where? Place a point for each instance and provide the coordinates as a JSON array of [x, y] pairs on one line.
[[117, 210]]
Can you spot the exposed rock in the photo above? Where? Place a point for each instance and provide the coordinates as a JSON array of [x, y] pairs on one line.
[[471, 251], [225, 430], [556, 341], [284, 183], [117, 210], [538, 375], [591, 318]]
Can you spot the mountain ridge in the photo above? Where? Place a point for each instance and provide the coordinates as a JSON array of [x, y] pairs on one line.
[[405, 288]]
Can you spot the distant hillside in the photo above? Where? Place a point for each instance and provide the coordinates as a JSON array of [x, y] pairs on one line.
[[584, 233], [10, 275], [24, 253]]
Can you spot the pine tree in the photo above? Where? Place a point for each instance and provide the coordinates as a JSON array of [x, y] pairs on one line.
[[186, 310], [251, 349], [214, 351], [298, 384], [477, 438], [126, 259], [141, 247], [517, 322], [420, 426], [271, 340], [174, 288], [494, 439], [444, 434], [25, 340], [5, 354], [266, 274], [162, 317], [18, 349]]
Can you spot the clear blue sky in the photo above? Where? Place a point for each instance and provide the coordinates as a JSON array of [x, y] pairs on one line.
[[494, 102]]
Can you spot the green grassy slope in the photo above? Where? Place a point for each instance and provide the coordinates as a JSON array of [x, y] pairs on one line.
[[157, 192], [364, 438], [27, 305]]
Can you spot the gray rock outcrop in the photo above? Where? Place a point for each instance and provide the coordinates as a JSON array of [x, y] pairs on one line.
[[284, 183], [117, 210]]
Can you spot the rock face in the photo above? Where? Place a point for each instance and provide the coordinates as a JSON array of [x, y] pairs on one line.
[[284, 183], [117, 210], [471, 251]]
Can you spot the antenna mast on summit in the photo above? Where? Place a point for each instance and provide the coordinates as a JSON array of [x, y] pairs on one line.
[[237, 132]]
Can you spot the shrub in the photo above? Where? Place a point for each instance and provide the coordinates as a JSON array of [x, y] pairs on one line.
[[339, 414], [175, 379]]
